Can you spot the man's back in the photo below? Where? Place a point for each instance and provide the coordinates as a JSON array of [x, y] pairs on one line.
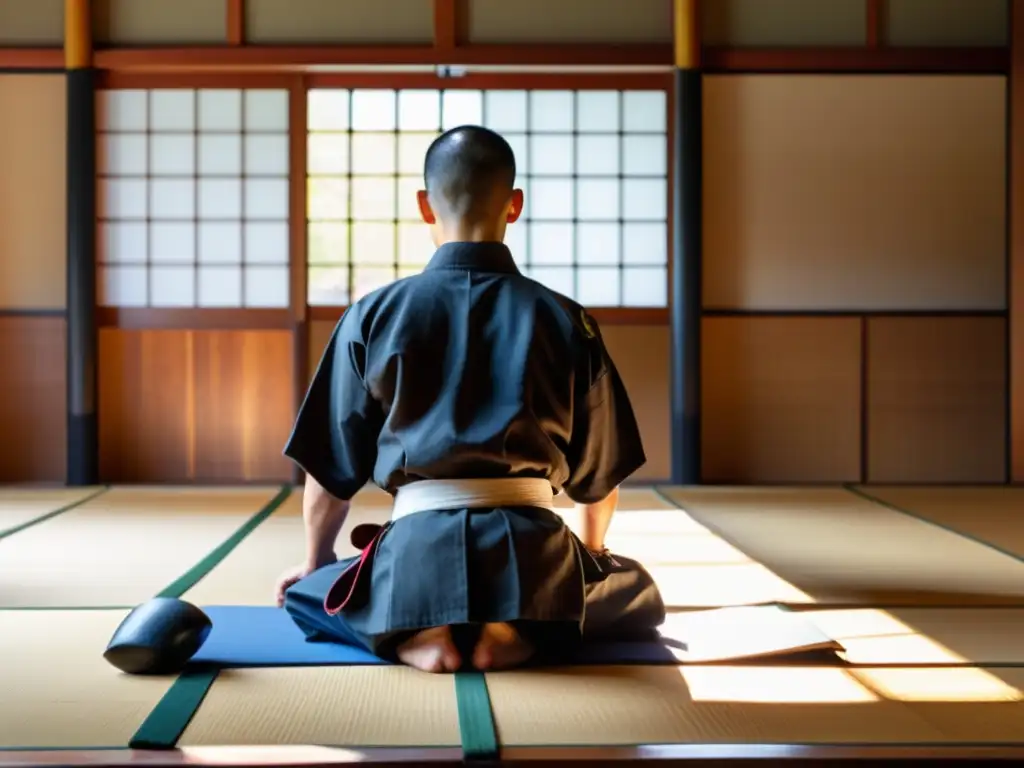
[[476, 369], [469, 370]]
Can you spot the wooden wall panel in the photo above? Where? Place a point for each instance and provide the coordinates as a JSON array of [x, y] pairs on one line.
[[339, 21], [159, 22], [641, 354], [855, 193], [570, 21], [31, 23], [947, 22], [936, 400], [209, 406], [32, 191], [244, 403], [144, 395], [784, 23], [33, 389], [780, 400]]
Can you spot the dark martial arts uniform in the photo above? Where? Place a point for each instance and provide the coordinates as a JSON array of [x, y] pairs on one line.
[[470, 370]]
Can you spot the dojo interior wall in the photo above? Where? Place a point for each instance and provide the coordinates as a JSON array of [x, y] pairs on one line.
[[834, 205], [32, 297], [855, 319]]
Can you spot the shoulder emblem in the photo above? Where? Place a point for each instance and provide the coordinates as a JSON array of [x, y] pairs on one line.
[[588, 326]]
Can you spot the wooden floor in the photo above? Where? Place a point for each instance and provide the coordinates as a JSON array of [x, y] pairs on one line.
[[924, 587]]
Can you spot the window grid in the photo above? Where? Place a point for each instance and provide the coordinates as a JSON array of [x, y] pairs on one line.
[[354, 262], [258, 281]]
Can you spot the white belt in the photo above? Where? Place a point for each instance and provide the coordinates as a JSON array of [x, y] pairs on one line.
[[426, 495]]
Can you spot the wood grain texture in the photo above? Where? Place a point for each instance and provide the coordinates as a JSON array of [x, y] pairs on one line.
[[33, 386], [780, 399], [235, 22], [936, 400], [204, 406]]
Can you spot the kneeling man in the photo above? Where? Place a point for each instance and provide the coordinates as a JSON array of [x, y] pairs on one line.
[[473, 395]]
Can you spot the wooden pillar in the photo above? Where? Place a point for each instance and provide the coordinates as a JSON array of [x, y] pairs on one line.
[[687, 215], [298, 301], [82, 341], [235, 21]]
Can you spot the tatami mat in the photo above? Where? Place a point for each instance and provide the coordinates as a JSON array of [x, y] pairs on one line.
[[249, 574], [761, 705], [127, 544], [966, 705], [67, 696], [631, 499], [899, 637], [336, 706], [840, 548], [58, 691], [694, 568], [992, 515], [907, 636], [19, 506], [122, 547]]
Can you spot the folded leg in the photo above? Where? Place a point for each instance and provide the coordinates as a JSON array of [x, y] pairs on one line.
[[304, 602], [626, 605]]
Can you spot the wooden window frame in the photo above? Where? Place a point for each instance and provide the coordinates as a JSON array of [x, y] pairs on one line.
[[298, 86], [656, 81]]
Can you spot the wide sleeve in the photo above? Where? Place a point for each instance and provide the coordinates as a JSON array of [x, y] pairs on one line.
[[335, 434], [605, 448]]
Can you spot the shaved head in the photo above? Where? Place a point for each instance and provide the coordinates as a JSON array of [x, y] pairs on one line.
[[470, 174]]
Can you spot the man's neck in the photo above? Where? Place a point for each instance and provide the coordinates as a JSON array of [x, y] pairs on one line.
[[469, 233]]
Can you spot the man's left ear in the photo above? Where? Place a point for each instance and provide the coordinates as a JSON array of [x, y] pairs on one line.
[[426, 212], [516, 209]]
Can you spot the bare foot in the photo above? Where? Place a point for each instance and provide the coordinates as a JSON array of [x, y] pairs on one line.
[[431, 650], [500, 647]]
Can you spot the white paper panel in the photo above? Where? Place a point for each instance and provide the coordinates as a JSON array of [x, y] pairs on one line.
[[220, 287], [194, 195], [123, 286], [266, 287], [593, 165]]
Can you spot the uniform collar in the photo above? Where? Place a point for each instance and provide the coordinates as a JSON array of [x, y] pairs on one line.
[[480, 257]]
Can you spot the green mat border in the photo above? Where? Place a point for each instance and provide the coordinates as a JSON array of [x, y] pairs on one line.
[[168, 720], [200, 570], [477, 729], [170, 717], [53, 513]]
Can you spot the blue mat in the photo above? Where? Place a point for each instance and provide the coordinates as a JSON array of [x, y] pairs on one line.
[[253, 636]]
